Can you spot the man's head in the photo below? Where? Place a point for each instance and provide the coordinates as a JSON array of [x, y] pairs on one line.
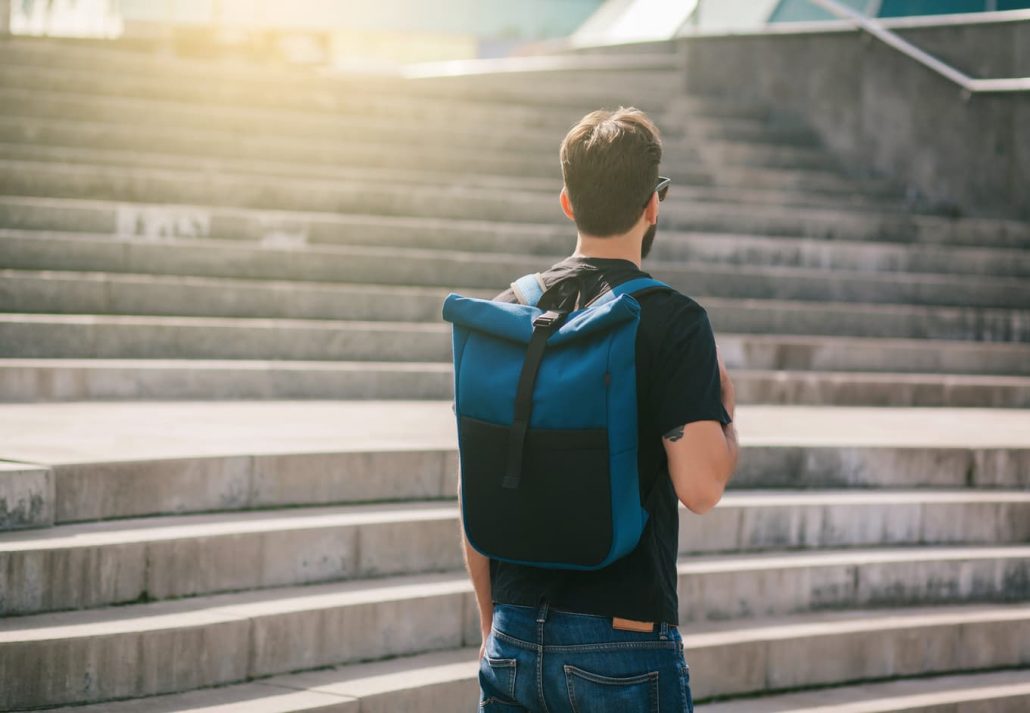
[[610, 164]]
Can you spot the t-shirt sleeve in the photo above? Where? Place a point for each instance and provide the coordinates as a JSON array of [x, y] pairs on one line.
[[686, 385]]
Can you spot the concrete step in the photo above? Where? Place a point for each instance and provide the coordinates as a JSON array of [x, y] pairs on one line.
[[395, 143], [74, 291], [741, 587], [555, 93], [299, 139], [280, 124], [729, 153], [387, 163], [821, 388], [494, 271], [656, 71], [540, 90], [41, 380], [746, 129], [842, 225], [137, 650], [828, 182], [438, 682], [158, 558], [872, 355], [209, 141], [154, 58], [266, 113], [654, 80], [283, 140], [873, 260], [318, 625], [32, 336], [25, 128], [802, 652], [997, 692], [866, 320], [839, 254], [750, 521], [674, 246], [96, 460], [743, 141], [51, 291], [325, 193], [150, 559], [447, 681], [117, 336], [197, 221], [26, 495]]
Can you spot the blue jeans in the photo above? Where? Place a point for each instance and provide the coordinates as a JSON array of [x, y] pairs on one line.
[[549, 661]]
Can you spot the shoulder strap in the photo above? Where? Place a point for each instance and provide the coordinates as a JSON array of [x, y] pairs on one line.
[[634, 286], [543, 326], [528, 289]]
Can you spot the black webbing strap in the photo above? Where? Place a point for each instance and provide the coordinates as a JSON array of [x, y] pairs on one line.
[[639, 293], [543, 327]]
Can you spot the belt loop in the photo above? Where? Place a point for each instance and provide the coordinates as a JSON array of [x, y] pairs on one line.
[[541, 613], [663, 631]]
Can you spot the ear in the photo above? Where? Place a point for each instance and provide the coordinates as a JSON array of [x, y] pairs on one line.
[[651, 209], [566, 204]]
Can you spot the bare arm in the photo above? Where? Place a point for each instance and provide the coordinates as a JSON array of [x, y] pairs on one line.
[[703, 454], [478, 567]]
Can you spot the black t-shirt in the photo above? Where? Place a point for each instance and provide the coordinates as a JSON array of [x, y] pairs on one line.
[[677, 382]]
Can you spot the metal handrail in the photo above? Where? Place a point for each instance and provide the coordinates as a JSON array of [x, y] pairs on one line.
[[969, 84]]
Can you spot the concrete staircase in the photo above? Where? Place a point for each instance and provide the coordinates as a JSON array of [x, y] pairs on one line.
[[228, 452]]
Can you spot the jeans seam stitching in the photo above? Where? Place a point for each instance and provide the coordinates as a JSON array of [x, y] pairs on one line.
[[514, 673], [610, 680], [540, 660], [651, 678], [512, 640], [571, 689], [656, 697]]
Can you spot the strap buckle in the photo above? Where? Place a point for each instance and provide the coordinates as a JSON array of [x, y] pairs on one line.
[[548, 318]]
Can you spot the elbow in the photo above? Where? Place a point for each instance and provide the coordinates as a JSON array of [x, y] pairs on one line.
[[700, 500], [701, 503], [702, 494]]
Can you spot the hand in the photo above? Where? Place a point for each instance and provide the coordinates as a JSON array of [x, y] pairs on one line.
[[729, 396], [485, 633]]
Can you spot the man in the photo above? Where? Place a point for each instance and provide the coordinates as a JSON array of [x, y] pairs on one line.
[[563, 641]]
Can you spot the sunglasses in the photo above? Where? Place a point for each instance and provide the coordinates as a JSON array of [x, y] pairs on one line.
[[662, 188]]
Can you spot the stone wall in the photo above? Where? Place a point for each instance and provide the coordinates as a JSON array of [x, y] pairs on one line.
[[885, 112]]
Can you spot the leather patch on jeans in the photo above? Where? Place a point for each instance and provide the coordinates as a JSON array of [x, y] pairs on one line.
[[632, 624]]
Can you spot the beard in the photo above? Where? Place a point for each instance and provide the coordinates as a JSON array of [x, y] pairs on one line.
[[645, 246]]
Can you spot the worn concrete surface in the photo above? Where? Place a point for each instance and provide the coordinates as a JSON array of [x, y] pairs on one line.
[[973, 154], [91, 432]]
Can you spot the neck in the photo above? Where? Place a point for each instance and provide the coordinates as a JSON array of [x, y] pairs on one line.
[[621, 247]]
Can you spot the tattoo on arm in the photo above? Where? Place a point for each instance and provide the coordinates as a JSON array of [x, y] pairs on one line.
[[675, 434]]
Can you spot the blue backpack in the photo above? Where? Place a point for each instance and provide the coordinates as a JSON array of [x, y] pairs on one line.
[[546, 409]]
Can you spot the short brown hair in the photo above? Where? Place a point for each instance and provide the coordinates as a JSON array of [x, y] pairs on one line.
[[609, 161]]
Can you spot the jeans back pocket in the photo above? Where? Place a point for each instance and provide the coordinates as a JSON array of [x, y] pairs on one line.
[[497, 682], [595, 693]]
